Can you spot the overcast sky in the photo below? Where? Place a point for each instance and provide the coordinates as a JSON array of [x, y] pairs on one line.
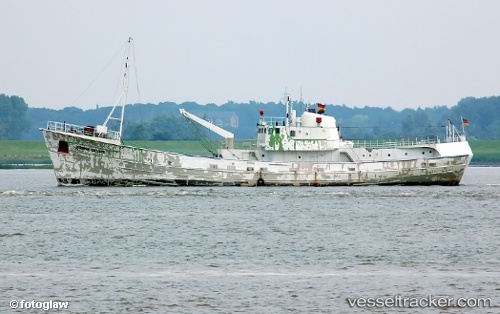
[[402, 54]]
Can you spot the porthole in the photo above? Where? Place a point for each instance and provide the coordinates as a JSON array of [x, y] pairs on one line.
[[423, 153], [388, 155]]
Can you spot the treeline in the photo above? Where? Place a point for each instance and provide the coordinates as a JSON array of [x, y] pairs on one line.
[[163, 121]]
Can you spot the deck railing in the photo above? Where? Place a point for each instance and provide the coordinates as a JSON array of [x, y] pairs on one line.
[[395, 143], [88, 130], [276, 121], [451, 135]]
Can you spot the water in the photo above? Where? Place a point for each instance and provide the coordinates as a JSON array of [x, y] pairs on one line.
[[248, 250]]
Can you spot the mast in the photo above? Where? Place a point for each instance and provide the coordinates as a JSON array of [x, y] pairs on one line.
[[122, 99], [301, 100], [288, 110]]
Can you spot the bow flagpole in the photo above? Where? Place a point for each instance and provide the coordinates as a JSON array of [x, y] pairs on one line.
[[464, 123]]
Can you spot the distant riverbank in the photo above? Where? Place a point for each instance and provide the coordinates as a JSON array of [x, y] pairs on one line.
[[34, 154]]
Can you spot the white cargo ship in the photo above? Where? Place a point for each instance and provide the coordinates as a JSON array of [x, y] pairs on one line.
[[292, 150]]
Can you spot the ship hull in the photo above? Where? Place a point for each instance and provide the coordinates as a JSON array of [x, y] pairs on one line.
[[83, 160]]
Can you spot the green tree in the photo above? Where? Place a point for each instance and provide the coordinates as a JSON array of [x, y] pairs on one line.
[[13, 122]]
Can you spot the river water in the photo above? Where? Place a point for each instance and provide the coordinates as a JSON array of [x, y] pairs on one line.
[[247, 250]]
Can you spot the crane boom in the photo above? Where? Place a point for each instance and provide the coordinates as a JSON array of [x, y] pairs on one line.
[[228, 136]]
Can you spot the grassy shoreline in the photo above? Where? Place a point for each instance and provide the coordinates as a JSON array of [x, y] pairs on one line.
[[34, 154]]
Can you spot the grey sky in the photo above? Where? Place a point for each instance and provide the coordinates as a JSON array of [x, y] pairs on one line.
[[402, 54]]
